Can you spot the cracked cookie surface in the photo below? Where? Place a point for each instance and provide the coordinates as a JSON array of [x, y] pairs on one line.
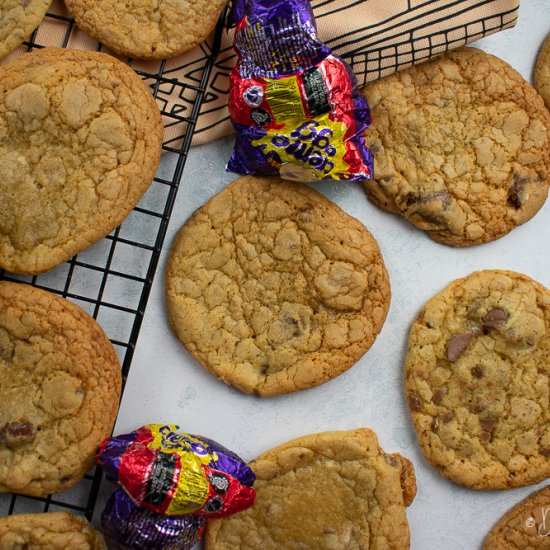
[[461, 147], [273, 288], [525, 527], [477, 380], [59, 391], [542, 72], [80, 141], [325, 491], [52, 531], [147, 30], [18, 19]]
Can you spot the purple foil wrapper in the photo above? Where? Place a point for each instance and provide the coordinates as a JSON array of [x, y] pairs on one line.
[[288, 28], [131, 527], [228, 462]]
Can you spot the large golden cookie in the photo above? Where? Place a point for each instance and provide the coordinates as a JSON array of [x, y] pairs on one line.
[[59, 391], [80, 141], [477, 380], [461, 147], [273, 288], [333, 490], [147, 30], [18, 19], [50, 531]]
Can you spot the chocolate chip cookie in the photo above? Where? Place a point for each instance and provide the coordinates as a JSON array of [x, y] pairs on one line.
[[542, 72], [461, 147], [525, 526], [18, 19], [477, 379], [323, 491], [147, 30], [80, 140], [51, 531], [273, 288], [59, 390]]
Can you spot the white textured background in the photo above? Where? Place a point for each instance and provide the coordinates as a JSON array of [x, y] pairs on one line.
[[167, 385]]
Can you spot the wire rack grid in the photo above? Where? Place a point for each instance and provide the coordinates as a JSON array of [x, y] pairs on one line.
[[112, 279]]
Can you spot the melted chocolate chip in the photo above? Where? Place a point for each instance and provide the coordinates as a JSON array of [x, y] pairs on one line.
[[438, 395], [442, 196], [391, 460], [415, 402], [495, 318], [432, 218], [15, 434], [447, 416], [515, 191], [477, 371], [293, 323], [375, 147], [545, 452], [457, 345], [487, 424], [410, 200], [435, 424], [478, 407], [485, 436]]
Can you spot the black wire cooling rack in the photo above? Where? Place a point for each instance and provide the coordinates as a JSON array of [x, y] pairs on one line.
[[112, 280]]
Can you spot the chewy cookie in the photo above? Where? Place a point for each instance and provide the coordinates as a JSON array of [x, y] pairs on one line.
[[331, 490], [273, 288], [59, 391], [461, 147], [18, 19], [542, 72], [477, 374], [525, 526], [147, 30], [51, 531], [80, 140]]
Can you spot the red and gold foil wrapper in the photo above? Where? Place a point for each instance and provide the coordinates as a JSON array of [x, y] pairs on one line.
[[295, 106], [174, 473]]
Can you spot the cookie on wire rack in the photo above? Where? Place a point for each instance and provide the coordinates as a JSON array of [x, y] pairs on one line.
[[60, 384], [147, 30], [18, 19], [80, 142], [51, 531]]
